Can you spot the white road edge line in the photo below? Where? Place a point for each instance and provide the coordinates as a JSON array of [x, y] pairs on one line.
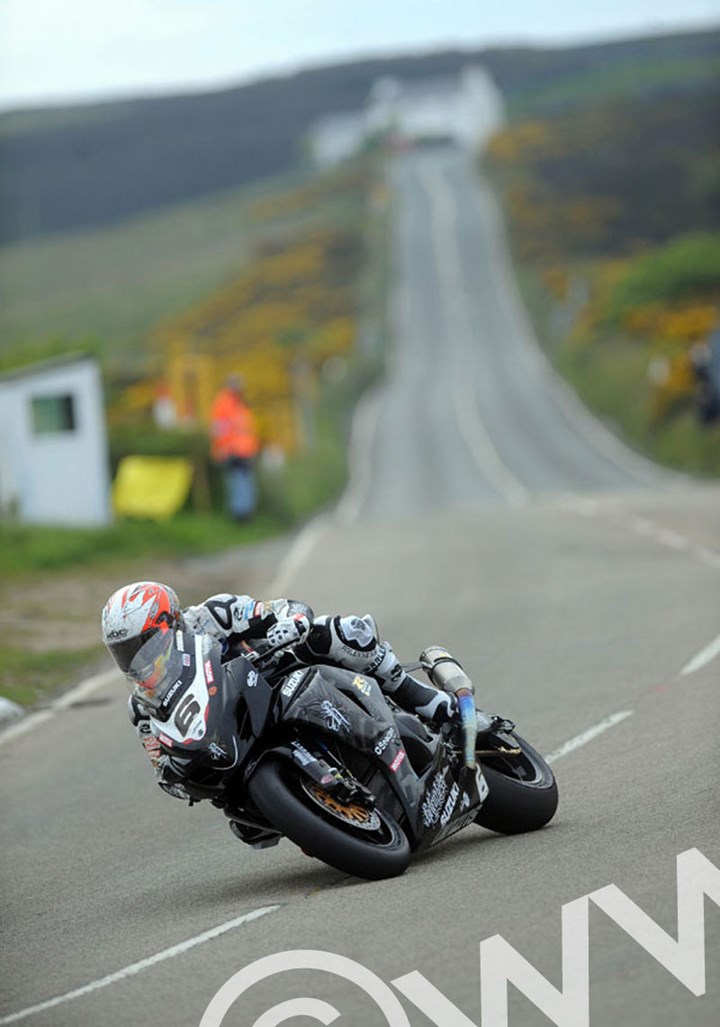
[[702, 658], [77, 694], [300, 550], [666, 537], [143, 964], [360, 457], [587, 736]]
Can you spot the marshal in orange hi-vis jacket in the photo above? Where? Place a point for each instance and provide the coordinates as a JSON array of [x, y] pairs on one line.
[[234, 435], [234, 445]]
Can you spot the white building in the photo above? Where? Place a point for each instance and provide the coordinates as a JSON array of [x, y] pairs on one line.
[[465, 109], [53, 444]]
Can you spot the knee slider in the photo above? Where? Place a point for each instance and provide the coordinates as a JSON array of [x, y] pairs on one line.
[[358, 633]]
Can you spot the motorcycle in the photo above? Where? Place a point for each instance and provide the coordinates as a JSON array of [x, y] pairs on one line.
[[322, 756]]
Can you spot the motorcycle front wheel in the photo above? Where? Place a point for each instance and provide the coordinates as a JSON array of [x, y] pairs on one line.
[[349, 836], [523, 791]]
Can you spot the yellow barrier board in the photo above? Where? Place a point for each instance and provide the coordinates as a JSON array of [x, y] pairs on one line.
[[155, 487]]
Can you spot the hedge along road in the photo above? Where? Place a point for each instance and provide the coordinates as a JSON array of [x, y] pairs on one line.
[[578, 584]]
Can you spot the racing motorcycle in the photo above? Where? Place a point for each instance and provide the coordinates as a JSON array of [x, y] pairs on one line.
[[322, 756]]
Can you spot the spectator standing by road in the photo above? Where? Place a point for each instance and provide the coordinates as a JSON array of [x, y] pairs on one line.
[[234, 445], [705, 360]]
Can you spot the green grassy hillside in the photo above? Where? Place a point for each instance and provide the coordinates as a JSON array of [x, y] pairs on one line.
[[88, 166], [109, 286]]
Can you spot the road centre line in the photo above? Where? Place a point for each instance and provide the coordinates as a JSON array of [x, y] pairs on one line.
[[143, 964], [643, 526], [588, 735], [702, 658]]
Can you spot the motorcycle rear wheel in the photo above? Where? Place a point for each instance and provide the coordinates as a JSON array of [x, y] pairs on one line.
[[324, 828], [523, 791]]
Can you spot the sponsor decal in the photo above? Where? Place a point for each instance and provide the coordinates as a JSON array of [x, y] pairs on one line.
[[461, 820], [212, 690], [151, 745], [397, 761], [362, 685], [301, 754], [465, 802], [433, 802], [450, 804], [216, 751], [334, 718], [117, 633], [209, 676], [187, 659], [165, 741], [377, 661], [290, 687], [252, 679], [170, 694], [383, 743]]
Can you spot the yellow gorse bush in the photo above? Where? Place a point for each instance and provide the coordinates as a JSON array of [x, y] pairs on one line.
[[276, 323]]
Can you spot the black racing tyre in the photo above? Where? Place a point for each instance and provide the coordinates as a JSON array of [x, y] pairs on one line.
[[523, 791], [322, 827]]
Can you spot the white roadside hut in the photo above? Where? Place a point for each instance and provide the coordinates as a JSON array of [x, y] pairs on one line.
[[53, 444]]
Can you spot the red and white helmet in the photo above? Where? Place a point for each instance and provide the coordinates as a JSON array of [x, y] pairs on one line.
[[133, 614]]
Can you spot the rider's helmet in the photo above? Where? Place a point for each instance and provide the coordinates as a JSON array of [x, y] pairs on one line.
[[131, 617]]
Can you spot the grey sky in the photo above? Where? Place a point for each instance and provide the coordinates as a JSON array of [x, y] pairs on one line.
[[58, 50]]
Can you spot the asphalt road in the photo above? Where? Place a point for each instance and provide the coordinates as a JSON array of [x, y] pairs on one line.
[[580, 586]]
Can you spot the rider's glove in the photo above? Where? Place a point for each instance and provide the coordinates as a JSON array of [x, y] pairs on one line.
[[177, 791], [149, 742], [168, 779], [288, 630]]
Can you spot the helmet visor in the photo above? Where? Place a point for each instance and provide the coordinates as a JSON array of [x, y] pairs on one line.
[[124, 652], [156, 666]]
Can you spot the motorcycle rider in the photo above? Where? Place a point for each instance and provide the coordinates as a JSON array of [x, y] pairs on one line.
[[136, 612]]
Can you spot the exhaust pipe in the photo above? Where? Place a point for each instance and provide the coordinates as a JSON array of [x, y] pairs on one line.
[[446, 673]]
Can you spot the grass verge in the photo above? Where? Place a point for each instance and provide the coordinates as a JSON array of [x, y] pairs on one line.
[[31, 678]]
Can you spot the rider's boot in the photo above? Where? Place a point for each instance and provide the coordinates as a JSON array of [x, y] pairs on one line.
[[429, 703]]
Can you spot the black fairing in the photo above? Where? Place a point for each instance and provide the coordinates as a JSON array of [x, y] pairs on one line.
[[330, 712], [237, 714], [436, 798]]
